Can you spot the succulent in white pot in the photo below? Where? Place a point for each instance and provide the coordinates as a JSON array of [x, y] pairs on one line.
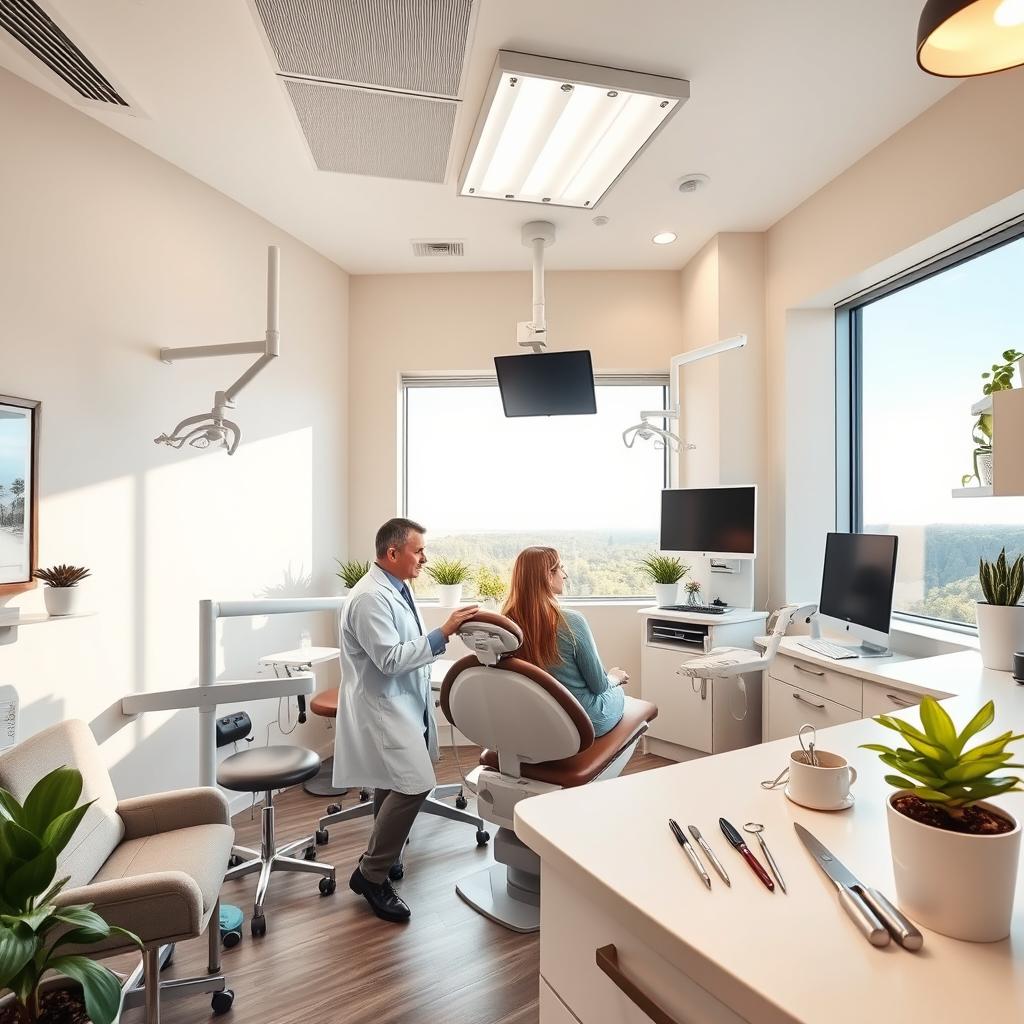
[[61, 594], [955, 855], [350, 573], [449, 574], [665, 572], [1000, 617]]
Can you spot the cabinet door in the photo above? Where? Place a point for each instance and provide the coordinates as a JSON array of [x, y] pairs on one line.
[[789, 707], [552, 1009], [883, 700], [684, 705]]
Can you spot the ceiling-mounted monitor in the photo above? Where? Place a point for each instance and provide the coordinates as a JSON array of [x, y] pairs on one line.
[[547, 384], [720, 522]]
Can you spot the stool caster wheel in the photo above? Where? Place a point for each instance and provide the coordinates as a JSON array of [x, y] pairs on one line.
[[322, 835], [327, 886], [258, 925], [333, 808], [396, 872], [222, 1001], [364, 795], [309, 853], [234, 860], [461, 802], [482, 837], [231, 939]]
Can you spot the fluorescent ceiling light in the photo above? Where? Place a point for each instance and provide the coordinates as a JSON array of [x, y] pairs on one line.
[[961, 38], [664, 238], [560, 133]]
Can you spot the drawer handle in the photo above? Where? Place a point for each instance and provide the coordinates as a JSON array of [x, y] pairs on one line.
[[804, 700], [899, 701], [608, 961], [809, 671]]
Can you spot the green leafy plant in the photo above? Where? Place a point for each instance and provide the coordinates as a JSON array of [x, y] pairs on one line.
[[1001, 582], [489, 584], [350, 573], [62, 575], [663, 568], [693, 587], [448, 572], [934, 765], [999, 378], [35, 933]]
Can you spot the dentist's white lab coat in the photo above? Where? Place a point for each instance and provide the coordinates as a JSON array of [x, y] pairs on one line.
[[384, 705]]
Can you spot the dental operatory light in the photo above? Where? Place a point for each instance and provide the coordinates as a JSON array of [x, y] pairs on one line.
[[559, 132], [962, 38], [214, 429], [664, 238]]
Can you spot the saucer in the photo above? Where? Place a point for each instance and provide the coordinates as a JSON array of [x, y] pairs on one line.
[[848, 802]]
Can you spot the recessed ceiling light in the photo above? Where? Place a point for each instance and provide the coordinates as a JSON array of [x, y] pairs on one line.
[[664, 238], [559, 132], [961, 38]]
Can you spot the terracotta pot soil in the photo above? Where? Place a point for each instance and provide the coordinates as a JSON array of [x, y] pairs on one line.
[[975, 821], [61, 1006]]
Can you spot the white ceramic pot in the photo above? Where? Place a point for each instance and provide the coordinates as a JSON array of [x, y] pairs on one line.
[[666, 594], [1000, 633], [985, 470], [450, 596], [957, 884], [62, 600]]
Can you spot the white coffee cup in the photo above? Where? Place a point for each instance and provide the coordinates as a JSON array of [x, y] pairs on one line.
[[822, 787]]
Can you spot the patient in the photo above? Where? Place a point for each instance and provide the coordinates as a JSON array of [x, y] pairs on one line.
[[559, 639]]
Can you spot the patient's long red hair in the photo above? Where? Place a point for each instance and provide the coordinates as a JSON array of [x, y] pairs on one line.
[[533, 606]]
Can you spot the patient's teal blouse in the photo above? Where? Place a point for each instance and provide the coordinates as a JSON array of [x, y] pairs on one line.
[[582, 672]]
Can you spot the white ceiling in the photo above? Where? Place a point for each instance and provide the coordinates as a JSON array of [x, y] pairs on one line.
[[784, 96]]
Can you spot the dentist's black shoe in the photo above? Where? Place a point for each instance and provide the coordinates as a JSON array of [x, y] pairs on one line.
[[383, 900]]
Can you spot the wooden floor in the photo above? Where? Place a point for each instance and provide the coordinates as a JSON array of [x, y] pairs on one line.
[[329, 959]]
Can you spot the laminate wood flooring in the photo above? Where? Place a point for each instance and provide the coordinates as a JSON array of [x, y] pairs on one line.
[[329, 959]]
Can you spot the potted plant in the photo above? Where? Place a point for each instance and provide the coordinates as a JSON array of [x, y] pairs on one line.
[[61, 594], [1000, 618], [666, 572], [490, 587], [449, 574], [999, 378], [35, 933], [693, 589], [350, 573], [954, 855]]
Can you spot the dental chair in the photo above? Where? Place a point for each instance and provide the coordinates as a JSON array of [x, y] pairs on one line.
[[537, 739]]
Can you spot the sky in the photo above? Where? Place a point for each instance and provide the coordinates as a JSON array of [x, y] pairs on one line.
[[924, 351]]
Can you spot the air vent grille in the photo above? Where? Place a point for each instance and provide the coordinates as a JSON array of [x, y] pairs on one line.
[[413, 45], [38, 33], [437, 248]]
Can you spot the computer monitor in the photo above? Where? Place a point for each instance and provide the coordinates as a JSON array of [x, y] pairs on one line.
[[856, 588], [720, 522], [547, 384]]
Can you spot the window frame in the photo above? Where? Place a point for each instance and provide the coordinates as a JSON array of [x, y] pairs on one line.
[[410, 381], [849, 365]]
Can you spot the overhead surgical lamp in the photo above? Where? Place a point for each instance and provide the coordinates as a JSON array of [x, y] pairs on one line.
[[665, 438], [211, 429]]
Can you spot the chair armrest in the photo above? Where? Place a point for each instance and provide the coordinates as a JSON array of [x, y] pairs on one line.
[[180, 808], [164, 906]]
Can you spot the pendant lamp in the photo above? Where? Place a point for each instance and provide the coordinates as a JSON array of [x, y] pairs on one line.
[[962, 38]]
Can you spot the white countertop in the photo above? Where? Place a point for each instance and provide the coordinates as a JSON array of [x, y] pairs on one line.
[[708, 618], [772, 957]]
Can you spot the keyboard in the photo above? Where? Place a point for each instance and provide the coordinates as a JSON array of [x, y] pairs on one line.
[[705, 609], [833, 651]]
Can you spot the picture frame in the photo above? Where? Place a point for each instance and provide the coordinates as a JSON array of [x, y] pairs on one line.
[[19, 493]]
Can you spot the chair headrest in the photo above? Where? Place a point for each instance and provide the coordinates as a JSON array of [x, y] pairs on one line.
[[490, 636]]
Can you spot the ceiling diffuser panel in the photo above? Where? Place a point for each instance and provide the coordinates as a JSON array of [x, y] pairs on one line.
[[386, 135], [413, 45]]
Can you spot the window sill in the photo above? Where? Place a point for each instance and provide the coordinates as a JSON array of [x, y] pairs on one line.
[[917, 637]]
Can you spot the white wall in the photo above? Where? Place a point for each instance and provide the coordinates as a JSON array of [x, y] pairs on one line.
[[106, 254]]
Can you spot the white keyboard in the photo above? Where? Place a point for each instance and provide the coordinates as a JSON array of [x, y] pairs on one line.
[[833, 651]]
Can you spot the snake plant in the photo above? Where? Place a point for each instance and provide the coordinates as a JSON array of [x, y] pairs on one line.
[[1001, 582]]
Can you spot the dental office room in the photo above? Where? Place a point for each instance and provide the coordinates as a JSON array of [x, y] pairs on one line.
[[511, 513]]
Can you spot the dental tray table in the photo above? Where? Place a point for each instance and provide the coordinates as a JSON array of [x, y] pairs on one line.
[[301, 656]]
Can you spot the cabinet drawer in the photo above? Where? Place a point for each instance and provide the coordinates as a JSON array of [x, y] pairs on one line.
[[572, 929], [552, 1009], [883, 700], [790, 707], [806, 675]]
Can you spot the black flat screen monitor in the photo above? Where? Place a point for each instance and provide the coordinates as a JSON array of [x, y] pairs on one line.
[[857, 579], [720, 521], [547, 384]]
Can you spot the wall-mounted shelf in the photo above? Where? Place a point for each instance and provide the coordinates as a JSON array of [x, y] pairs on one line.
[[972, 492], [1007, 411], [8, 630]]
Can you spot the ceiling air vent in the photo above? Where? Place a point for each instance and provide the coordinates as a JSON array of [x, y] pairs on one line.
[[431, 247], [42, 36]]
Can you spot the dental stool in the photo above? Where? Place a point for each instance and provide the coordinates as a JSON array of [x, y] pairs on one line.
[[537, 739], [262, 770]]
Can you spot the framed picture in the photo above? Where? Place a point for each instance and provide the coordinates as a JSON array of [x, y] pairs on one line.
[[19, 493]]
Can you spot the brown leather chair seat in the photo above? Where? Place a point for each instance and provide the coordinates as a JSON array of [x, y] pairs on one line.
[[325, 703], [582, 767]]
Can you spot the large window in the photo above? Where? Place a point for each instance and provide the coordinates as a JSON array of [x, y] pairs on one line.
[[486, 486], [917, 351]]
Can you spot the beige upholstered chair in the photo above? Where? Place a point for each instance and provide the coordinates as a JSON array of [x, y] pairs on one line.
[[152, 864]]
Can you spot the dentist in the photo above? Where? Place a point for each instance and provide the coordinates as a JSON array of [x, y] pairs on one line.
[[386, 738]]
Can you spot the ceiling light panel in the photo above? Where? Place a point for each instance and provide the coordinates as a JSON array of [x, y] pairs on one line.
[[559, 132]]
